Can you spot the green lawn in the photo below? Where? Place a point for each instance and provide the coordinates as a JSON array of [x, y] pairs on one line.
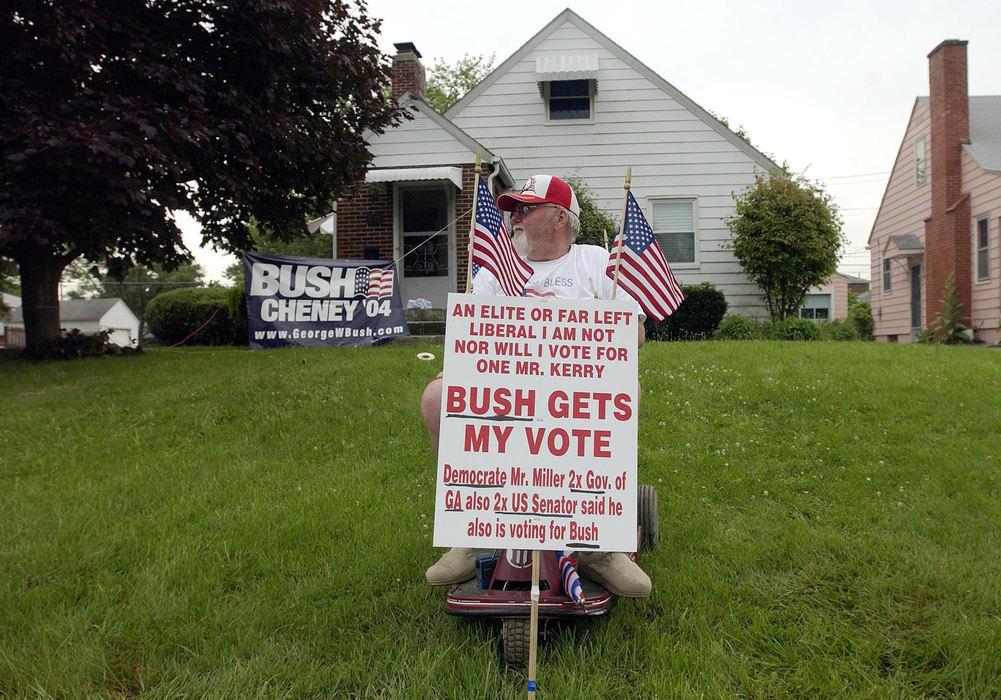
[[230, 523]]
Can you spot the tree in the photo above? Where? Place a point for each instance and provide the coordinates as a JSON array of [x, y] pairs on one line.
[[595, 224], [447, 84], [786, 235], [117, 113]]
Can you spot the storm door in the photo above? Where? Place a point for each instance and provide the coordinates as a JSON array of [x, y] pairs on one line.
[[425, 240]]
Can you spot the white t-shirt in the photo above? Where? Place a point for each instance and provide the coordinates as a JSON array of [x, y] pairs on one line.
[[580, 274]]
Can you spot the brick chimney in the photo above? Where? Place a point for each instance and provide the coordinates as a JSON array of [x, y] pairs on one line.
[[408, 72], [947, 232]]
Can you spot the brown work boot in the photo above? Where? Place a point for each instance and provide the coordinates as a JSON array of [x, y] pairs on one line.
[[616, 572], [457, 565]]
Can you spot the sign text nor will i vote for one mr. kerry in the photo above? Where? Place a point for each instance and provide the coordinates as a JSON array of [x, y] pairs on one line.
[[538, 431]]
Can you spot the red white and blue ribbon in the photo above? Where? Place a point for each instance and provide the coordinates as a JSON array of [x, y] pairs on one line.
[[571, 581]]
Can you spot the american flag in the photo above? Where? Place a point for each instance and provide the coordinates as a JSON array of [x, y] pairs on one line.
[[571, 581], [492, 246], [374, 282], [643, 271]]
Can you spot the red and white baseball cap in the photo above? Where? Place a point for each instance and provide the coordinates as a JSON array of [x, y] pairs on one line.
[[542, 189]]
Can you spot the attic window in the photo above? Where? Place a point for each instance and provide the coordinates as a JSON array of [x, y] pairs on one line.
[[568, 99]]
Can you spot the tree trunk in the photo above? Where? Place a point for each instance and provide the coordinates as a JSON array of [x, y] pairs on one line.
[[40, 273]]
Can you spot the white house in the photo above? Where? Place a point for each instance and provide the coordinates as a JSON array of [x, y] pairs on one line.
[[570, 102], [87, 316], [10, 302]]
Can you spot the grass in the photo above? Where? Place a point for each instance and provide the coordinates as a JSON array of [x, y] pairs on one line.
[[234, 523]]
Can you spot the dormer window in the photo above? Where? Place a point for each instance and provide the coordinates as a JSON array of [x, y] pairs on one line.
[[568, 84]]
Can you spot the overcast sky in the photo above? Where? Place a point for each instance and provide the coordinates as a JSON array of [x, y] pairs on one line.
[[825, 86]]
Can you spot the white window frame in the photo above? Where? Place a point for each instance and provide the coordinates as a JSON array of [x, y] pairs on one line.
[[887, 276], [920, 163], [695, 230], [592, 90], [983, 273]]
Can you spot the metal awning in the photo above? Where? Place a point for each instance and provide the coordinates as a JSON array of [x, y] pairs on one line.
[[567, 67], [450, 173]]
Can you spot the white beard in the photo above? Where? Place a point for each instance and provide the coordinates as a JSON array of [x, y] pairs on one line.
[[520, 243]]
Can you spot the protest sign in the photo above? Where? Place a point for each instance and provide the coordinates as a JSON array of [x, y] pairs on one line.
[[538, 424], [293, 301]]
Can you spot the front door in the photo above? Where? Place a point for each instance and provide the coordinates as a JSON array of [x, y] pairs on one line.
[[916, 295], [425, 242]]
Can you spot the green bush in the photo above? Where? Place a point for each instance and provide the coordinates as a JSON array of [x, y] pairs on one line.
[[175, 315], [794, 329], [860, 316], [236, 303], [696, 319], [838, 330], [738, 327]]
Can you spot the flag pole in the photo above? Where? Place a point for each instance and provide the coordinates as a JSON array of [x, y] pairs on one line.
[[533, 625], [622, 226], [472, 229]]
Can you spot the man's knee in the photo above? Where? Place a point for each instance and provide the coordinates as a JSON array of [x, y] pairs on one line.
[[431, 404]]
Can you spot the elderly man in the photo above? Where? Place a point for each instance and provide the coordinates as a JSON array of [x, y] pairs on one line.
[[545, 219]]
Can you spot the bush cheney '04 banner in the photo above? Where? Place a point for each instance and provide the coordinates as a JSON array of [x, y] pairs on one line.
[[538, 428], [319, 302]]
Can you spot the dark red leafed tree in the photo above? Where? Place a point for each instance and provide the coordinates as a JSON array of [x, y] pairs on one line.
[[116, 113]]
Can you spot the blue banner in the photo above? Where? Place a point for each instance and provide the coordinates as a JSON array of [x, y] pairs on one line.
[[318, 302]]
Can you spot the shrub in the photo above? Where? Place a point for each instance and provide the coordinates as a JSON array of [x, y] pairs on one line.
[[738, 327], [175, 315], [236, 303], [794, 329], [860, 316], [838, 330], [697, 318], [74, 343]]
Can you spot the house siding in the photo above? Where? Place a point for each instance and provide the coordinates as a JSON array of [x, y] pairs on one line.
[[985, 200], [672, 150], [904, 209]]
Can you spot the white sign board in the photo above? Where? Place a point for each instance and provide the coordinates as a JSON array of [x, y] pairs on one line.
[[538, 424]]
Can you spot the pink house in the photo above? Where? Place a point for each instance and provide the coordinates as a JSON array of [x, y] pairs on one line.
[[941, 211]]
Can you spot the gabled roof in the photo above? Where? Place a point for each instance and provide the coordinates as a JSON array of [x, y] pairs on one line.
[[407, 100], [985, 132], [76, 310], [908, 245], [630, 60]]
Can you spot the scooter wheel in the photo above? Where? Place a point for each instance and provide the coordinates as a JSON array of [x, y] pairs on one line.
[[648, 516], [515, 635]]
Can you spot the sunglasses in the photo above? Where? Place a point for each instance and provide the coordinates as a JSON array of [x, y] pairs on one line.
[[523, 209]]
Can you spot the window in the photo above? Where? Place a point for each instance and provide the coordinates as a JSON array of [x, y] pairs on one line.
[[920, 163], [424, 213], [886, 276], [983, 250], [816, 307], [569, 99], [674, 227]]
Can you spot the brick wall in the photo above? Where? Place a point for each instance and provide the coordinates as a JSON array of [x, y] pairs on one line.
[[365, 220], [947, 241]]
